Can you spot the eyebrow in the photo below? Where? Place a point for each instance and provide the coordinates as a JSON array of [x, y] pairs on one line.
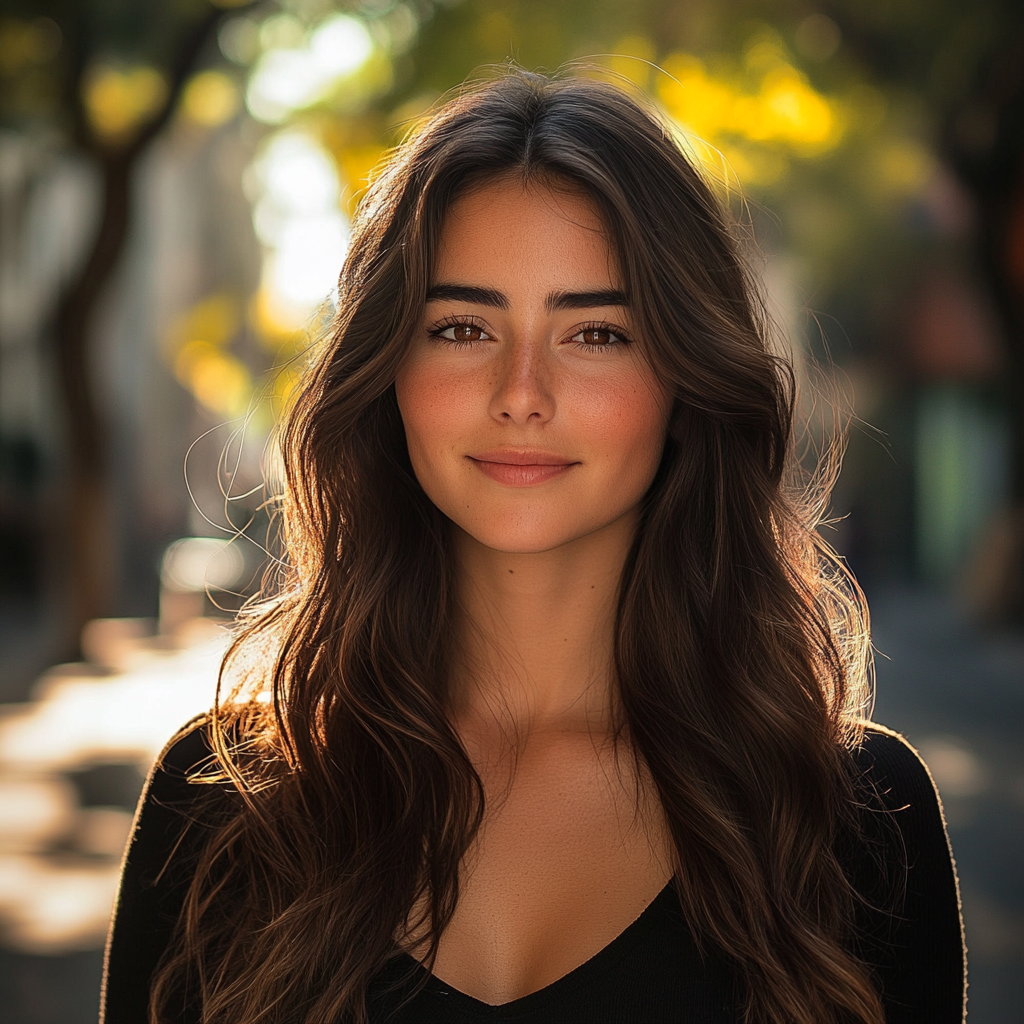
[[555, 301], [468, 293], [585, 300]]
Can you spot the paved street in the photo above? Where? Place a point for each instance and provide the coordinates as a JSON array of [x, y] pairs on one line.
[[959, 696], [956, 693]]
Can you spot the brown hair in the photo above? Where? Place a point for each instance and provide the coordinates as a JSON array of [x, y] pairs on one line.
[[740, 651]]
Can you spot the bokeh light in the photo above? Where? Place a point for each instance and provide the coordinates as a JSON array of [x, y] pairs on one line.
[[197, 346], [117, 101], [211, 98], [297, 217], [297, 70]]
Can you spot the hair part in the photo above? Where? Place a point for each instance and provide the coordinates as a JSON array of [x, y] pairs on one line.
[[740, 640]]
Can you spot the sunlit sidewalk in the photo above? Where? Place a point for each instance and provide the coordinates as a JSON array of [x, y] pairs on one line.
[[72, 763]]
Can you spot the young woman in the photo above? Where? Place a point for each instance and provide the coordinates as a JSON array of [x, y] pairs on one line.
[[565, 693]]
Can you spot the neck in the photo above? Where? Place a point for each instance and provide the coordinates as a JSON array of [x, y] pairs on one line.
[[536, 632]]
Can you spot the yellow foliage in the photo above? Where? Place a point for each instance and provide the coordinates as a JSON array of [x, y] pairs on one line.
[[792, 110], [633, 56], [701, 104], [118, 102], [357, 166], [218, 380], [24, 43], [213, 321], [210, 98], [276, 327], [196, 343], [783, 110], [903, 167]]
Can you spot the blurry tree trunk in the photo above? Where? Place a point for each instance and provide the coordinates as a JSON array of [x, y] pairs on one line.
[[88, 540], [88, 527]]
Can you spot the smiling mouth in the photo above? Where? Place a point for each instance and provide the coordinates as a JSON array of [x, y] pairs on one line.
[[522, 468]]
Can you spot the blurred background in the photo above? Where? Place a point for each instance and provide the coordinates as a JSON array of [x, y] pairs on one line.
[[176, 183]]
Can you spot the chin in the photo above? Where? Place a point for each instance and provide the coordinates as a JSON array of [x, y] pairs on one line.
[[513, 538], [520, 544], [525, 535]]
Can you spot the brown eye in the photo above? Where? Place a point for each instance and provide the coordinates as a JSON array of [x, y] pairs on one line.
[[461, 334], [599, 337], [596, 336]]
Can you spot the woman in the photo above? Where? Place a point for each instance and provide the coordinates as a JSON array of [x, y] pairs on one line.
[[564, 689]]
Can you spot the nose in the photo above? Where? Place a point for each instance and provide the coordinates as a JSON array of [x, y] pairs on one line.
[[523, 391]]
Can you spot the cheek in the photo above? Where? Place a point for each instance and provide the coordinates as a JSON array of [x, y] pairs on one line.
[[625, 423], [419, 405], [434, 405]]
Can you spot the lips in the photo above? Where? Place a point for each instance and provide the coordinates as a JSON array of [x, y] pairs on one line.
[[522, 467]]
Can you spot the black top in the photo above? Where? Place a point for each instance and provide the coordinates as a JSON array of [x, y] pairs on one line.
[[652, 971]]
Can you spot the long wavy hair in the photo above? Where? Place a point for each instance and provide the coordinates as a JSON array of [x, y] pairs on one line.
[[740, 647]]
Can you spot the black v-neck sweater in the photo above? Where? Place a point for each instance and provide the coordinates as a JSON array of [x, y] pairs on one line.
[[653, 971]]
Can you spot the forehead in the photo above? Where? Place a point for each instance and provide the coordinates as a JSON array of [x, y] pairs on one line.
[[528, 232]]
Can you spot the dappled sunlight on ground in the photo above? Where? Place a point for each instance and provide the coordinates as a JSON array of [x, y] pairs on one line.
[[72, 762]]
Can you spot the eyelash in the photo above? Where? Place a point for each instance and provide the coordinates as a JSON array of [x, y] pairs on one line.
[[615, 332], [456, 321], [470, 321]]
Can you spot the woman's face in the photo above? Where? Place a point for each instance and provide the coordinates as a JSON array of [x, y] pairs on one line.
[[532, 416]]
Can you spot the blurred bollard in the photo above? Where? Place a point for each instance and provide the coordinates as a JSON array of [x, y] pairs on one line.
[[112, 644], [191, 569], [34, 813]]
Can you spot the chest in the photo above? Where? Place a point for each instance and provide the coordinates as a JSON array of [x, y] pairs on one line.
[[572, 850]]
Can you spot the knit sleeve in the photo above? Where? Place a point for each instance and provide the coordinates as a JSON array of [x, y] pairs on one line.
[[911, 930]]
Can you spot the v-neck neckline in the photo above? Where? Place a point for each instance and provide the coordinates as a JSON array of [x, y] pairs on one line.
[[532, 1001]]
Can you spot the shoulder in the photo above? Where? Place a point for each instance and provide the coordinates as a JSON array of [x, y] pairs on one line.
[[175, 815], [902, 846], [898, 801], [181, 798], [901, 866], [187, 751], [177, 775], [892, 770]]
